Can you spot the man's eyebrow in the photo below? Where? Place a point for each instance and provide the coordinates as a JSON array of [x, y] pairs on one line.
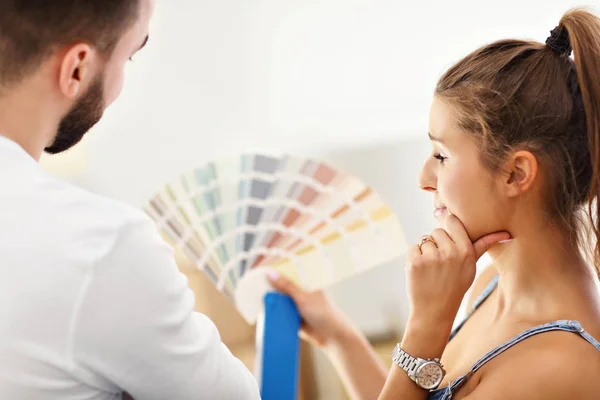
[[145, 42]]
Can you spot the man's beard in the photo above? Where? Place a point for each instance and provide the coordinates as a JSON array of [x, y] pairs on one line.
[[82, 117]]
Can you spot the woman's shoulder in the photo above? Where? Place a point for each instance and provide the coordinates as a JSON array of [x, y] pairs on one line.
[[557, 365]]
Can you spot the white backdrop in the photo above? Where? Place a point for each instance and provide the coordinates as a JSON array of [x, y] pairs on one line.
[[310, 75]]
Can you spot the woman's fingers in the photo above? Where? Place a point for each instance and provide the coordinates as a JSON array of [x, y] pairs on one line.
[[286, 286], [456, 231], [442, 239], [483, 244], [429, 249], [434, 245]]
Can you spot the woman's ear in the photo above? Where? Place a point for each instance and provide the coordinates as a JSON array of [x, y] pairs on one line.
[[522, 170]]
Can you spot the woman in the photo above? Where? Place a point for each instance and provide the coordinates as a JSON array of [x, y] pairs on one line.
[[515, 130]]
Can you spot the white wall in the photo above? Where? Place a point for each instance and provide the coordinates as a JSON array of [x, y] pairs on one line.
[[295, 74], [376, 300], [341, 79]]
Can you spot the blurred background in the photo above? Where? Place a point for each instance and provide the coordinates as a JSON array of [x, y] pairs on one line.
[[348, 82]]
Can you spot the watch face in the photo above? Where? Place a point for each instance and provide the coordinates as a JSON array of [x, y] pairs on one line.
[[430, 375]]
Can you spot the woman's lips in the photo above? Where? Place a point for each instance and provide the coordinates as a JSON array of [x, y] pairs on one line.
[[439, 211]]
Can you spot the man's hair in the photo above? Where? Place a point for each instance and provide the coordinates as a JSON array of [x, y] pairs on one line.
[[30, 30]]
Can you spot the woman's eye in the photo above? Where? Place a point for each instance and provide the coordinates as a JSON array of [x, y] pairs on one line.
[[440, 158]]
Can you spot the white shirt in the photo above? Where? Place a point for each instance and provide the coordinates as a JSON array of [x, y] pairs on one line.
[[92, 303]]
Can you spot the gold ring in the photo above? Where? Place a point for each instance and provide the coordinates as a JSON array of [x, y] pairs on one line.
[[425, 239]]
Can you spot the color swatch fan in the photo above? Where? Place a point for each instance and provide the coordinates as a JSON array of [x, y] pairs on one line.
[[237, 218]]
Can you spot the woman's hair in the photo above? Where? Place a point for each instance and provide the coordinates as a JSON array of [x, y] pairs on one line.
[[524, 95]]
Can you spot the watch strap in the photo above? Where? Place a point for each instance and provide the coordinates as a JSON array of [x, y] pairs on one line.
[[405, 361]]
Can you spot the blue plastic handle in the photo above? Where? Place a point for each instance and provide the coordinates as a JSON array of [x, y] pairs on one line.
[[280, 348]]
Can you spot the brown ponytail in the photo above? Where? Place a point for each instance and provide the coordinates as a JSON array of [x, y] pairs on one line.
[[584, 35], [518, 94]]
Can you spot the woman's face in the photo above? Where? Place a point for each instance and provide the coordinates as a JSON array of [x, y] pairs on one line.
[[457, 178]]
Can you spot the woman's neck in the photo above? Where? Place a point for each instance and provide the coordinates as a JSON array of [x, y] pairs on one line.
[[541, 273]]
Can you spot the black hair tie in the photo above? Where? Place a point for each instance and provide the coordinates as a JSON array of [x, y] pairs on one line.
[[559, 41]]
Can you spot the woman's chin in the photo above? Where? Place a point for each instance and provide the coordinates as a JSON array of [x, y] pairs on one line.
[[440, 214]]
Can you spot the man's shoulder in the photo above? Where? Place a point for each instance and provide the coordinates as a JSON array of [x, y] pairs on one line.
[[93, 206], [93, 221]]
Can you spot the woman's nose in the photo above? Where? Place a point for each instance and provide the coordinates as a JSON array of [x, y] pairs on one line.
[[428, 178]]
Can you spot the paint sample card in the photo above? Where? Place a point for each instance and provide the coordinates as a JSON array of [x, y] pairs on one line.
[[311, 222]]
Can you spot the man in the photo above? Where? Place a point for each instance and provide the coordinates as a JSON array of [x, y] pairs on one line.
[[92, 304]]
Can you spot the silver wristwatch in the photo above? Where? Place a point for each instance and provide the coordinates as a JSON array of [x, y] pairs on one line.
[[427, 373]]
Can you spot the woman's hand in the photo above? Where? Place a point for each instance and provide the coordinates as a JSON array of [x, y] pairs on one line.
[[322, 322], [357, 363], [441, 269]]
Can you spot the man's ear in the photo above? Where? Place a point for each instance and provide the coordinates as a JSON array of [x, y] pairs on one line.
[[76, 69], [522, 169]]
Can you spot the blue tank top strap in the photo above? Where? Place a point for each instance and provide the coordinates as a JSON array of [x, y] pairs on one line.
[[490, 287], [561, 325], [593, 341]]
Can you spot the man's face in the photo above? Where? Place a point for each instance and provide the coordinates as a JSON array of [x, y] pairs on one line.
[[105, 88], [83, 116]]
